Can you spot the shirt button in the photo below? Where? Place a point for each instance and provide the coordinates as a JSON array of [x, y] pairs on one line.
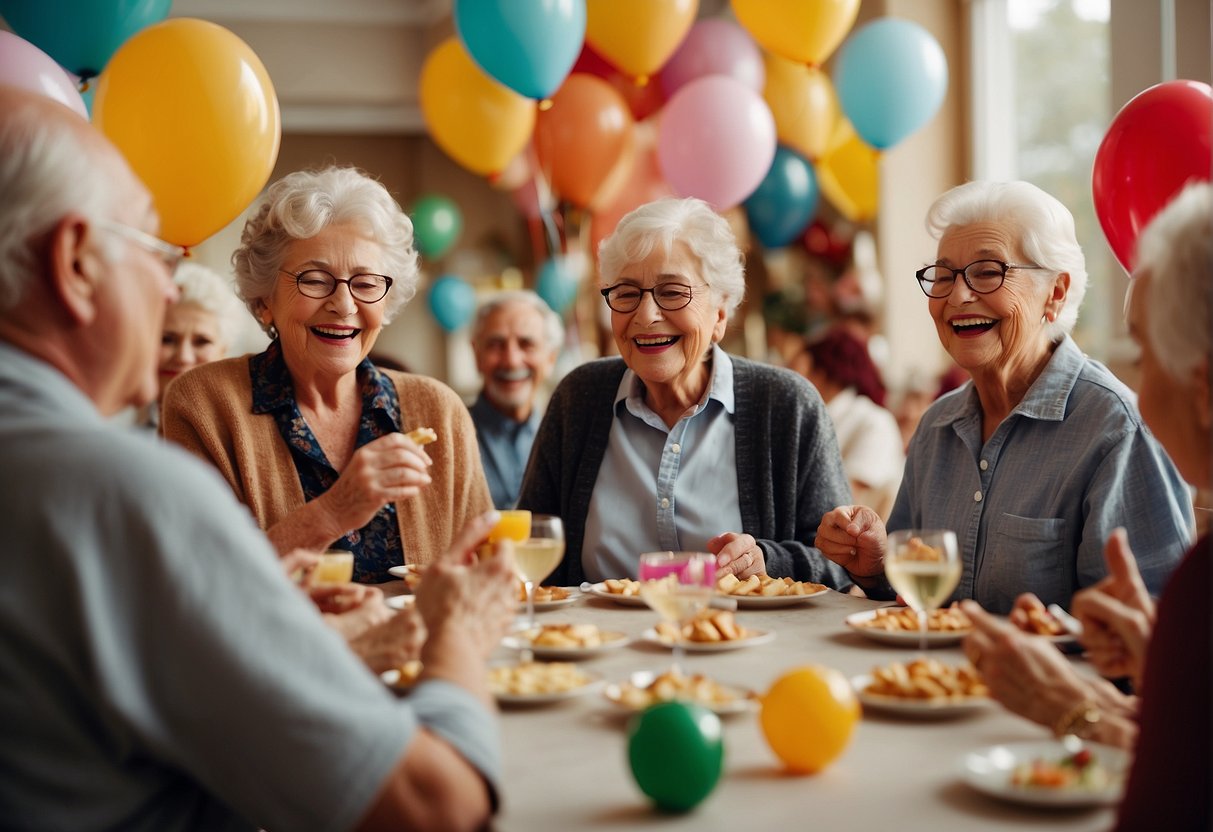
[[977, 496], [676, 448], [665, 503], [984, 465]]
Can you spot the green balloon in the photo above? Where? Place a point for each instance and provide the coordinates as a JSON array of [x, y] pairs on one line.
[[676, 752], [436, 225]]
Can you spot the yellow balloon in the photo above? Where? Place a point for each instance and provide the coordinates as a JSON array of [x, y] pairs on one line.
[[849, 175], [807, 31], [193, 110], [638, 36], [808, 716], [478, 122], [804, 105]]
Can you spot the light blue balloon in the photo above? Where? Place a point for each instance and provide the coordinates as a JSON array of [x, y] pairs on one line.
[[452, 301], [557, 284], [784, 202], [891, 76], [528, 45]]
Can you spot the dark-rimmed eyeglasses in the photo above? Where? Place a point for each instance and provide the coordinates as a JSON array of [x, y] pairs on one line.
[[982, 276], [625, 297], [317, 283], [172, 255]]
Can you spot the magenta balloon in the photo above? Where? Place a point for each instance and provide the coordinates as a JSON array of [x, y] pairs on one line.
[[26, 66], [716, 141], [715, 47]]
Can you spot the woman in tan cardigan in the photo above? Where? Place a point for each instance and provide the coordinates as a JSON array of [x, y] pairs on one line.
[[311, 436]]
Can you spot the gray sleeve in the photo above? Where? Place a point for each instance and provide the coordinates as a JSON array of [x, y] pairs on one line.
[[459, 718]]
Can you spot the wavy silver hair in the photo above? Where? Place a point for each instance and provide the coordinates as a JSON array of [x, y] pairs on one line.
[[1045, 230], [553, 327], [302, 204], [212, 292], [667, 221]]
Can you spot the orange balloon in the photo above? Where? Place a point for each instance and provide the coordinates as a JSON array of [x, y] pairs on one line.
[[849, 174], [643, 184], [804, 105], [638, 36], [582, 137], [808, 716]]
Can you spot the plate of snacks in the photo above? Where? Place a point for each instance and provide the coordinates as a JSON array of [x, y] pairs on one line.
[[923, 688], [410, 573], [540, 683], [765, 592], [623, 591], [1048, 773], [565, 641], [710, 631], [899, 625], [400, 602], [1048, 623], [645, 688], [547, 597], [404, 677]]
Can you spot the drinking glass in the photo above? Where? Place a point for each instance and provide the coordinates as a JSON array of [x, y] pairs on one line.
[[536, 557], [336, 566], [678, 585], [923, 565]]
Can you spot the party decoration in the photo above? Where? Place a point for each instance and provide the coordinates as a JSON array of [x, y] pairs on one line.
[[676, 753], [558, 282], [478, 122], [849, 175], [82, 35], [805, 31], [1159, 141], [436, 224], [638, 36], [452, 301], [26, 66], [714, 47], [784, 201], [808, 716], [804, 105], [193, 110], [716, 141], [579, 141], [643, 183], [891, 76], [643, 101], [528, 45]]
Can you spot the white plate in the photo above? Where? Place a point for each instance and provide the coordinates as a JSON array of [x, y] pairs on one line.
[[610, 641], [593, 683], [989, 771], [403, 571], [542, 606], [918, 708], [755, 638], [743, 699], [400, 602], [761, 602], [902, 638], [599, 590]]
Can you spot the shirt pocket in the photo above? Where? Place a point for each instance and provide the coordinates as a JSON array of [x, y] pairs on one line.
[[1025, 554]]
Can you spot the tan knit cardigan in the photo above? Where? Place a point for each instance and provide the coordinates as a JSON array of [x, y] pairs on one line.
[[208, 411]]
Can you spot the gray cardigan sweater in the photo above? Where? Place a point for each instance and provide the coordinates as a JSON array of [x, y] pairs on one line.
[[789, 471]]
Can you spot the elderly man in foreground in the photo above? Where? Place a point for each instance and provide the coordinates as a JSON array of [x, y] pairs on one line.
[[159, 670]]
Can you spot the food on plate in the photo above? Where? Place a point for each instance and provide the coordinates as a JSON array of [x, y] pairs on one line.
[[1081, 770], [621, 586], [423, 436], [765, 586], [412, 576], [1040, 622], [706, 626], [564, 635], [927, 679], [674, 685], [543, 594], [917, 549], [535, 678], [894, 619]]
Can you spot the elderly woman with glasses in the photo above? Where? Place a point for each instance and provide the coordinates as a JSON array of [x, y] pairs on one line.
[[676, 445], [1035, 460], [310, 434]]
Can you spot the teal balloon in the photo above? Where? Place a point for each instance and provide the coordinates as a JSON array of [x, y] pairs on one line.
[[557, 284], [891, 76], [452, 301], [437, 224], [676, 751], [81, 35], [785, 200], [528, 45]]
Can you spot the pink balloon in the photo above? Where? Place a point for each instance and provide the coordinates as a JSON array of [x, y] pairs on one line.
[[715, 47], [716, 141], [26, 66]]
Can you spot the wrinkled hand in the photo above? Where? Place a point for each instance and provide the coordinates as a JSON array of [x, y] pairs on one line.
[[854, 537], [385, 470], [298, 564], [1117, 614], [391, 643], [350, 609], [738, 554]]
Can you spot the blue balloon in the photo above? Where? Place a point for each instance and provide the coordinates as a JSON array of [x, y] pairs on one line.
[[528, 45], [81, 35], [785, 201], [452, 300], [557, 284], [891, 76]]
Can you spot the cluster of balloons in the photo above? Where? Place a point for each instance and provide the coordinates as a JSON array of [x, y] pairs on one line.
[[188, 103]]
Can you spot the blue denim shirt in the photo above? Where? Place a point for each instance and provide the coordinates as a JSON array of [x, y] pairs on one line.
[[505, 446], [1033, 506]]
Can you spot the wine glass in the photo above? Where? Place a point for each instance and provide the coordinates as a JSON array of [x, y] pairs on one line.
[[536, 557], [923, 565], [678, 585]]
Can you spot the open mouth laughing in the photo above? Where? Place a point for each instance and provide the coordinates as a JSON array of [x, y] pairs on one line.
[[333, 333], [971, 327]]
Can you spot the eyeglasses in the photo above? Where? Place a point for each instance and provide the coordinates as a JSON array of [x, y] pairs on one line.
[[317, 283], [624, 297], [171, 255], [982, 276]]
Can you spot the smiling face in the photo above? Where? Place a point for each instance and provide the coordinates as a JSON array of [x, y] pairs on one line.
[[191, 336], [513, 356]]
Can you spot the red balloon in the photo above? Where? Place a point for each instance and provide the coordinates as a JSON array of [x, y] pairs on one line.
[[643, 101], [1157, 143]]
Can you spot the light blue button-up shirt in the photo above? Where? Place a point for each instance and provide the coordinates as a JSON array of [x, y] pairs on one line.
[[505, 446], [1033, 506], [663, 488]]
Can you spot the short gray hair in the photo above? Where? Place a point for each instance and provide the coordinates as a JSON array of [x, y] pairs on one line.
[[1045, 228], [1176, 250], [553, 327], [210, 291], [302, 204], [667, 221]]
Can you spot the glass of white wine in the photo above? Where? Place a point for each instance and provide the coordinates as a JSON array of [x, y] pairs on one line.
[[923, 565], [678, 585], [536, 557]]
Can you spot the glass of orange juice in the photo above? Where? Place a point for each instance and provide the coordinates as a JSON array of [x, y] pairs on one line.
[[336, 566], [515, 524]]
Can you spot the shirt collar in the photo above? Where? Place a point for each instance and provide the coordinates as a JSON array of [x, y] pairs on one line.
[[631, 388], [487, 414], [273, 387]]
